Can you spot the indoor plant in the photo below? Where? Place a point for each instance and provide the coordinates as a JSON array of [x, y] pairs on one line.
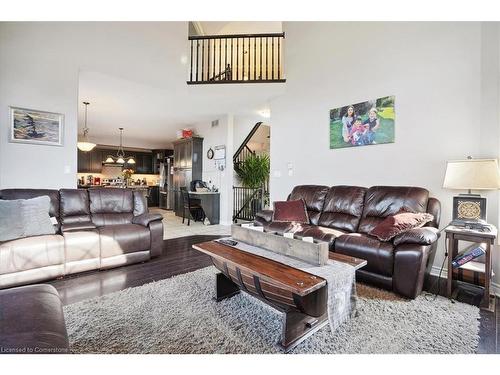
[[253, 173]]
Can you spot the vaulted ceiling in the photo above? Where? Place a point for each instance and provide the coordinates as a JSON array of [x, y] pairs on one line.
[[134, 76]]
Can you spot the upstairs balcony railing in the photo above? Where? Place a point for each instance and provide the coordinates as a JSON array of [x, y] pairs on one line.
[[243, 58]]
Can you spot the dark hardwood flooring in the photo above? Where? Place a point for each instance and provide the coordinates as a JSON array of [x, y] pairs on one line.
[[178, 257]]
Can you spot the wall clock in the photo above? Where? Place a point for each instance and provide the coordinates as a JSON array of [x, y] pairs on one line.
[[210, 153]]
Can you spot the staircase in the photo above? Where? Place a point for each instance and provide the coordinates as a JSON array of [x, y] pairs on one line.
[[246, 201], [244, 150]]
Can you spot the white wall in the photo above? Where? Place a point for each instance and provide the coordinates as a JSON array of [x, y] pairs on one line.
[[220, 135], [37, 76], [433, 69], [39, 68]]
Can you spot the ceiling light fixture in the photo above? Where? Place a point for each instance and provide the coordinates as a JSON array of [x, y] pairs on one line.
[[85, 145], [120, 157], [266, 113]]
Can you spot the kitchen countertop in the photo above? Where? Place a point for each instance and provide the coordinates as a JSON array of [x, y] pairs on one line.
[[118, 187]]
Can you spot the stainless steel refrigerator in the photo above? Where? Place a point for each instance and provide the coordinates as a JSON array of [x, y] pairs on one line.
[[187, 165], [167, 197]]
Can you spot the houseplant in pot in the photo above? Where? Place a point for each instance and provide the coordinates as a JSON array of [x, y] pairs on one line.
[[253, 173]]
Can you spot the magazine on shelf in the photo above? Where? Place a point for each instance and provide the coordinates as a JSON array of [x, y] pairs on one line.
[[470, 253]]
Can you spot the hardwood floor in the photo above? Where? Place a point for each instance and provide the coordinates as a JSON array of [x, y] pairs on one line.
[[178, 257]]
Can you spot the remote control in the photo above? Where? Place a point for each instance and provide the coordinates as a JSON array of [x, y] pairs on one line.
[[229, 242]]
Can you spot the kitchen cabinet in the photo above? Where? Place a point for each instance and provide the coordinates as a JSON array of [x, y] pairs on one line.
[[143, 163], [154, 196], [90, 161]]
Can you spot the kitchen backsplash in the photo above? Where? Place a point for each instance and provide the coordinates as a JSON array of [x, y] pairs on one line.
[[152, 179]]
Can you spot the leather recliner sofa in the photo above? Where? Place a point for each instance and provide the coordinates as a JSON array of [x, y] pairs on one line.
[[96, 229], [344, 215]]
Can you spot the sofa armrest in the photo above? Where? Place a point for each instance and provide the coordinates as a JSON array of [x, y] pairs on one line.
[[264, 217], [73, 227], [419, 236], [410, 261], [145, 219]]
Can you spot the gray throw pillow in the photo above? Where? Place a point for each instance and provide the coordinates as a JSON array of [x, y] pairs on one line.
[[11, 225], [25, 218]]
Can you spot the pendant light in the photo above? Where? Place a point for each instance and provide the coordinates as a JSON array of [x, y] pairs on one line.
[[120, 154], [85, 145]]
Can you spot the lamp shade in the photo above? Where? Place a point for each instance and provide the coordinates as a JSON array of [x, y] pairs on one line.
[[85, 146], [473, 174]]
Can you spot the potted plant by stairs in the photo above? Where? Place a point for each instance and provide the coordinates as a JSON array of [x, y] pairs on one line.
[[253, 173]]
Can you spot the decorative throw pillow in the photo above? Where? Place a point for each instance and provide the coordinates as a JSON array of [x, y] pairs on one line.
[[403, 221], [21, 218], [11, 225], [287, 211]]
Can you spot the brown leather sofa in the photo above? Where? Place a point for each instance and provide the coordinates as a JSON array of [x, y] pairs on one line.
[[97, 229], [32, 321], [344, 215]]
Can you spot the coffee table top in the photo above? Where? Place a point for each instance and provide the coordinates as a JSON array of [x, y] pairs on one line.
[[297, 281]]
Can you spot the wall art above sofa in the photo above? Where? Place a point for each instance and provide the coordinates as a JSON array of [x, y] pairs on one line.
[[361, 124]]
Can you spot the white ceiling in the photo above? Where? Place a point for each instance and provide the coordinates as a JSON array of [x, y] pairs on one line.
[[135, 76]]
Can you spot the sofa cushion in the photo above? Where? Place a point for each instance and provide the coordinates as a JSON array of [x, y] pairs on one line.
[[383, 201], [21, 218], [281, 227], [11, 227], [124, 239], [32, 319], [75, 206], [82, 250], [378, 254], [314, 198], [10, 194], [111, 206], [343, 208], [291, 210], [320, 233], [402, 222], [31, 252]]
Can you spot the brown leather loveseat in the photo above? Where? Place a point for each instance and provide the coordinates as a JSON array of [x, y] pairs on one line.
[[344, 215], [96, 229]]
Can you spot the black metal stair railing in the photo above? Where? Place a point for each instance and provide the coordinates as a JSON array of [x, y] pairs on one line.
[[246, 203], [241, 58], [244, 151]]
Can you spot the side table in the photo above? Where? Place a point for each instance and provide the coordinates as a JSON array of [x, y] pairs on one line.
[[455, 234]]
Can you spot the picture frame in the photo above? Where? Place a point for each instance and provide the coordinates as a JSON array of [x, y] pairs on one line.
[[36, 127], [371, 122], [469, 208]]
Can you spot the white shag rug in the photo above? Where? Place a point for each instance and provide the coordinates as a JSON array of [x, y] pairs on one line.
[[178, 315]]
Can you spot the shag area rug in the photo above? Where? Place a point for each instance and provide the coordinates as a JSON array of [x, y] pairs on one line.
[[178, 315]]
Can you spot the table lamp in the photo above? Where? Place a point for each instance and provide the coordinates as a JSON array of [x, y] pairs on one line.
[[471, 174]]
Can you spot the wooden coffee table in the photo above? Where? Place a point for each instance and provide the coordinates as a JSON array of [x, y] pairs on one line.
[[302, 296]]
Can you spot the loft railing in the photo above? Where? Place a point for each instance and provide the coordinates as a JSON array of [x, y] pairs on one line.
[[242, 58]]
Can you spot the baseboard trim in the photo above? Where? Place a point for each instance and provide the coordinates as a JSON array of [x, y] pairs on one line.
[[495, 288]]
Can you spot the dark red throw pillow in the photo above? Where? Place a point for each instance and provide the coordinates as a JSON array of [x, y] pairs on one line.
[[290, 211], [391, 226]]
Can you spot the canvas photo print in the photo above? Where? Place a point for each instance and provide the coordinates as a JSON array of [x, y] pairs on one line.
[[362, 124], [38, 127]]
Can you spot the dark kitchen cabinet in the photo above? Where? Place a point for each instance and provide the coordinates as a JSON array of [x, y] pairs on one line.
[[154, 196], [143, 163], [90, 161]]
